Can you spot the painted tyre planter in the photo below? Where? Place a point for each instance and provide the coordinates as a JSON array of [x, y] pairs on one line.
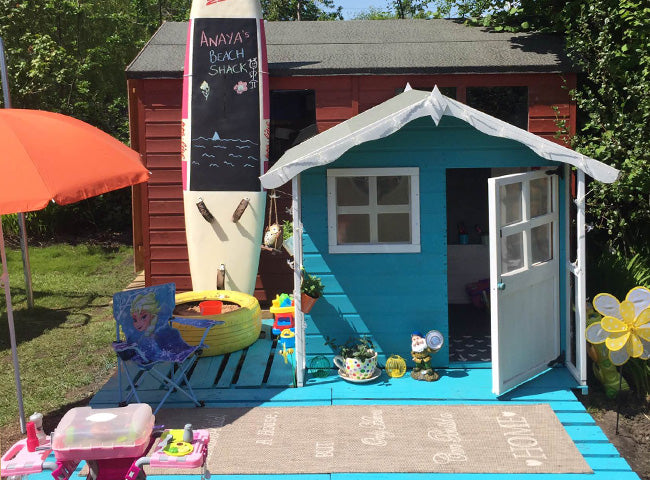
[[240, 329]]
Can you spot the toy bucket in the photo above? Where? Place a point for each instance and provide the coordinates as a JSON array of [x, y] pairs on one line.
[[210, 307]]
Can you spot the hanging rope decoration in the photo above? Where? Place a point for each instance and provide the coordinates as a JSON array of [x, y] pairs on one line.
[[273, 232]]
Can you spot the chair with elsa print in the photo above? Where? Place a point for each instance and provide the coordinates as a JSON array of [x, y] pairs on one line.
[[146, 340]]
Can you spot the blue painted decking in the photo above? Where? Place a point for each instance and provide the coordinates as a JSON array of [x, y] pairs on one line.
[[259, 377]]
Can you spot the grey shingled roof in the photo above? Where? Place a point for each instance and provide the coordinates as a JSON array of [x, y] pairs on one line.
[[373, 47]]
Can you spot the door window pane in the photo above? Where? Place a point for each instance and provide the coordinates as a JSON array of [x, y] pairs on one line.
[[510, 196], [512, 252], [540, 197], [394, 228], [351, 191], [353, 228], [541, 238], [393, 191]]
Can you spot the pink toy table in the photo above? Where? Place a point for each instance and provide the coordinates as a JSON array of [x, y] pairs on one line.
[[19, 461], [112, 441]]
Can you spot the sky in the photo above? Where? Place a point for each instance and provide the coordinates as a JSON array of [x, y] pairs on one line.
[[352, 7]]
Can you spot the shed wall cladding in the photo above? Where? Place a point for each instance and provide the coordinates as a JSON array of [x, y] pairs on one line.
[[391, 295], [155, 114]]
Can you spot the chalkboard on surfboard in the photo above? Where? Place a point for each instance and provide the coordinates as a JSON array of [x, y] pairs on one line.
[[225, 114]]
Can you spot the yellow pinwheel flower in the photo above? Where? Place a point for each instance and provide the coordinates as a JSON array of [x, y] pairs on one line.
[[625, 326]]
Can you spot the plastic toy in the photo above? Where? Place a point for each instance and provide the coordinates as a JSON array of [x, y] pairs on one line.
[[288, 338], [479, 293], [112, 441], [37, 419], [283, 310], [210, 307]]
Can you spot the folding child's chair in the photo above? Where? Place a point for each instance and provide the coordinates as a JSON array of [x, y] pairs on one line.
[[146, 339]]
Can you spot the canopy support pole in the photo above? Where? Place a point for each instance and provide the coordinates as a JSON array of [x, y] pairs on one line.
[[27, 272], [4, 281]]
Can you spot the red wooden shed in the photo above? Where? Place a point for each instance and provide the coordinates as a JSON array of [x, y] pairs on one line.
[[322, 73]]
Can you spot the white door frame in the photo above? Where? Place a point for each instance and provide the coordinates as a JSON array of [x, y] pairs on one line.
[[576, 271], [299, 316]]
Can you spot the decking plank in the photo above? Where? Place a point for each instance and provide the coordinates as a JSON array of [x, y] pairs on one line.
[[148, 381], [456, 386], [597, 475], [590, 433], [575, 418], [282, 374], [271, 396], [608, 464], [205, 372], [254, 366], [231, 368], [596, 449]]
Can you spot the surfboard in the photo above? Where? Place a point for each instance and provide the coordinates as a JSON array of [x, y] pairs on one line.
[[225, 122]]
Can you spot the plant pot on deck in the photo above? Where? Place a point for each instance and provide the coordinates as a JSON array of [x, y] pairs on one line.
[[355, 368], [307, 302]]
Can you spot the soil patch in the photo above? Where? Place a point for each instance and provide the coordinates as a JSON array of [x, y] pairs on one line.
[[633, 439]]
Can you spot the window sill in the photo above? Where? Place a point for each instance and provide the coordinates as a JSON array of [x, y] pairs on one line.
[[393, 248]]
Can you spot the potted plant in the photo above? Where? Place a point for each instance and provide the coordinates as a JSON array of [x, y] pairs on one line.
[[311, 289], [357, 359], [287, 236]]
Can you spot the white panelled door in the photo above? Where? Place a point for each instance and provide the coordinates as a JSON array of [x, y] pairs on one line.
[[524, 276]]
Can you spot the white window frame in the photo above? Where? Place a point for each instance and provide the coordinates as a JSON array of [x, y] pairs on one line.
[[414, 209]]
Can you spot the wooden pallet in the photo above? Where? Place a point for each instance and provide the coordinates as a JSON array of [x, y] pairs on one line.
[[259, 377]]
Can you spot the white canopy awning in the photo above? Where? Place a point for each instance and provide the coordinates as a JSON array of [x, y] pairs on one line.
[[391, 115]]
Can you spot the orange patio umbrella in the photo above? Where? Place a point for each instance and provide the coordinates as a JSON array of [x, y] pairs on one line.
[[45, 157]]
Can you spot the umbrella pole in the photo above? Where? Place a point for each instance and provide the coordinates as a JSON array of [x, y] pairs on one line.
[[21, 216], [4, 280]]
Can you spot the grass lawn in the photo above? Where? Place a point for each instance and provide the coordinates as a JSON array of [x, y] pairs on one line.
[[64, 341]]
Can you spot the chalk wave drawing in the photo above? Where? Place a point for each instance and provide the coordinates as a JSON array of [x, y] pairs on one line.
[[217, 138], [230, 152]]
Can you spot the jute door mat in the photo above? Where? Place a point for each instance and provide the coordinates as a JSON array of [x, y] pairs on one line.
[[382, 438]]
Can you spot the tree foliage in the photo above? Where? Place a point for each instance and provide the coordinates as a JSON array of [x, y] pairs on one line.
[[301, 10], [504, 15], [397, 9], [609, 41], [69, 56]]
